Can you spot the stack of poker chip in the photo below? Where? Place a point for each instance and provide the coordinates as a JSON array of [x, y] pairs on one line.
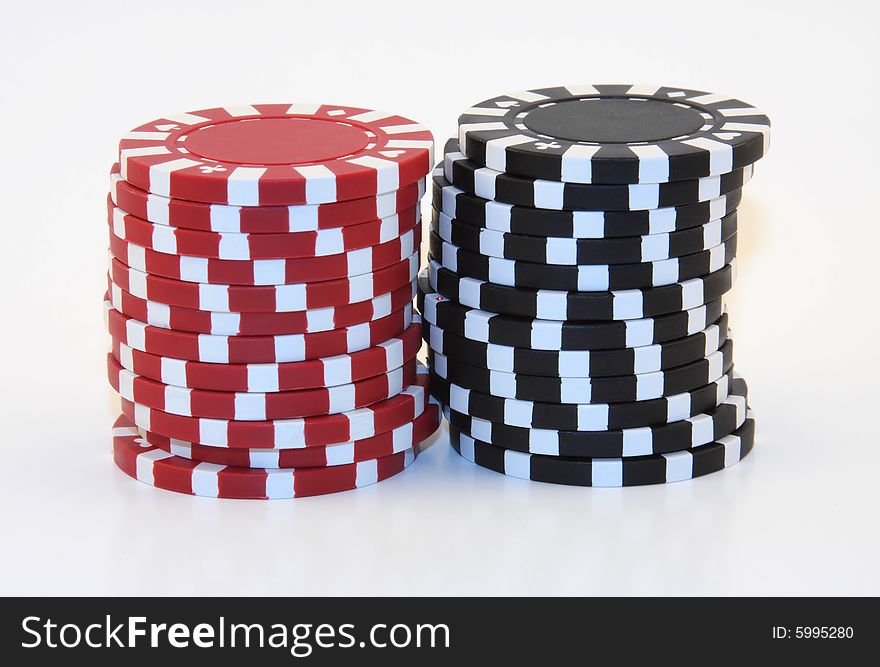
[[263, 262], [582, 241]]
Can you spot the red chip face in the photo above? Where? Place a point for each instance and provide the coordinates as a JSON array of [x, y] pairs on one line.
[[276, 141], [276, 154]]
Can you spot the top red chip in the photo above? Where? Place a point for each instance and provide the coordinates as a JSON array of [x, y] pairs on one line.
[[276, 154]]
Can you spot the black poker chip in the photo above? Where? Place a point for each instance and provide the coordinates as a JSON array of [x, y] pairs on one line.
[[575, 251], [578, 363], [686, 434], [468, 208], [555, 195], [614, 134], [581, 416], [538, 334], [582, 277], [610, 472], [572, 390], [571, 305]]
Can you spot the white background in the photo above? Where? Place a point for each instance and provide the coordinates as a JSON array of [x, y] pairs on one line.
[[799, 516]]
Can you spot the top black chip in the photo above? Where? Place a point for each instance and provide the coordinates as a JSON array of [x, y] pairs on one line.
[[614, 134]]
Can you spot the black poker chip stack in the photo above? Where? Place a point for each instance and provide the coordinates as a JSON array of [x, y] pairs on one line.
[[582, 240]]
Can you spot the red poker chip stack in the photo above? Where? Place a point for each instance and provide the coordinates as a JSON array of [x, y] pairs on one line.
[[262, 269]]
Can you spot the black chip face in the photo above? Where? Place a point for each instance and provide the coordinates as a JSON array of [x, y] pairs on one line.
[[613, 120]]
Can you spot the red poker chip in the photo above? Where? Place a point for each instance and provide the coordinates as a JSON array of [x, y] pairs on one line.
[[267, 271], [253, 349], [264, 298], [288, 433], [259, 219], [271, 154], [223, 245], [259, 324], [258, 406], [151, 465], [328, 372], [400, 439]]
